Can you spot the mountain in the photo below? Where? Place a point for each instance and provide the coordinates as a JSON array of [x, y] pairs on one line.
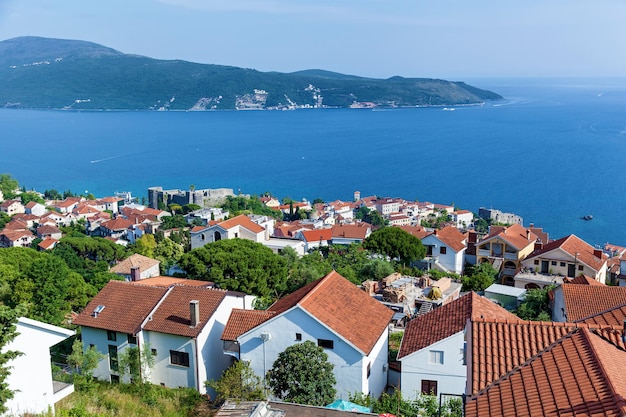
[[68, 74]]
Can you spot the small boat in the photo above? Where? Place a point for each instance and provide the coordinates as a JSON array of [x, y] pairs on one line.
[[587, 217], [448, 108]]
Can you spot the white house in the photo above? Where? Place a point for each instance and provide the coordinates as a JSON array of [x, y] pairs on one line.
[[238, 227], [351, 326], [181, 324], [31, 375], [136, 264], [35, 208], [432, 351], [445, 250]]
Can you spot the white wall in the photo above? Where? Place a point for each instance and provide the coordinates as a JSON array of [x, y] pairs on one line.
[[451, 377], [99, 339], [349, 365], [451, 260], [31, 376]]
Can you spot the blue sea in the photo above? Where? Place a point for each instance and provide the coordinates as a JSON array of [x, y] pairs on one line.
[[552, 151]]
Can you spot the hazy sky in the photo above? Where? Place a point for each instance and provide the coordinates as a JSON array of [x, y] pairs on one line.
[[451, 39]]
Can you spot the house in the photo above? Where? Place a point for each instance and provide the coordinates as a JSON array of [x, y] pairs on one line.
[[67, 205], [14, 238], [30, 379], [576, 302], [345, 234], [115, 228], [12, 207], [47, 231], [35, 208], [445, 250], [180, 324], [566, 257], [432, 352], [238, 227], [505, 295], [350, 325], [544, 369], [505, 248], [136, 267], [47, 244], [463, 218], [317, 238]]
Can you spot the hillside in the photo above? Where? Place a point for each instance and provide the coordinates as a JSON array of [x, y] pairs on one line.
[[67, 74]]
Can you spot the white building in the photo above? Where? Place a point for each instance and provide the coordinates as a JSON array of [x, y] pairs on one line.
[[350, 325], [31, 375], [445, 250]]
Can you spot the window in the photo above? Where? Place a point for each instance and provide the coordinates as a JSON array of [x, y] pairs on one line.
[[536, 262], [111, 335], [113, 363], [429, 387], [580, 267], [131, 339], [179, 358], [326, 344], [562, 264], [553, 263], [153, 351], [436, 357], [298, 337], [442, 250], [115, 379], [369, 369]]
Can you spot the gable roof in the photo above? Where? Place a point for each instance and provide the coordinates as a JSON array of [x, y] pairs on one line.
[[576, 248], [338, 304], [243, 221], [584, 280], [173, 314], [583, 301], [118, 223], [143, 262], [126, 307], [351, 231], [240, 321], [317, 235], [451, 237], [417, 231], [162, 281], [588, 385], [447, 320], [516, 235]]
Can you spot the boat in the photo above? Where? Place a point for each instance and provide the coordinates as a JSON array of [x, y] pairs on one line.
[[587, 217], [448, 108]]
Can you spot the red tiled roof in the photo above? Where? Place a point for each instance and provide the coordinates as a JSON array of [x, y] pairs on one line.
[[126, 307], [612, 317], [576, 374], [447, 320], [351, 231], [240, 321], [317, 235], [515, 235], [161, 281], [117, 224], [14, 235], [47, 243], [243, 221], [125, 266], [417, 231], [173, 315], [584, 280], [451, 237], [576, 248], [583, 301], [47, 230], [338, 304]]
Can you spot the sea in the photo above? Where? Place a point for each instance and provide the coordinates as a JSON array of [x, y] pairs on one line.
[[552, 151]]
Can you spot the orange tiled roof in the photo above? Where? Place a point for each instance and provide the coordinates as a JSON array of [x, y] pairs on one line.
[[338, 304], [162, 281], [125, 266], [447, 320], [47, 243], [351, 231], [451, 236], [126, 307], [417, 231], [583, 301], [516, 235], [240, 321], [573, 245], [612, 317], [576, 374], [117, 224], [318, 234], [584, 280], [173, 315], [243, 221]]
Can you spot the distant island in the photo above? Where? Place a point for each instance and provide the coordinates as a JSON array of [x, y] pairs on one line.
[[44, 73]]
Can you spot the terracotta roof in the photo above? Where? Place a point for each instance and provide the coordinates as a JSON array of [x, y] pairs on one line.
[[9, 203], [14, 235], [317, 235], [161, 281], [126, 307], [576, 374], [47, 243], [612, 317], [31, 204], [515, 235], [417, 231], [125, 266], [573, 245], [352, 231], [240, 321], [197, 229], [173, 314], [584, 280], [117, 224], [16, 225], [451, 237], [341, 306], [583, 301], [447, 320], [47, 230], [243, 221]]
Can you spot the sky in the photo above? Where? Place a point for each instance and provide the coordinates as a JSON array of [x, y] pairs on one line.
[[449, 39]]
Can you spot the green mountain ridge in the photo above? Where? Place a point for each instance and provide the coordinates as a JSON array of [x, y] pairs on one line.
[[70, 74]]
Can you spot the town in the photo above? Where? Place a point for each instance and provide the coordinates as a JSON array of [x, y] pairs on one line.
[[405, 299]]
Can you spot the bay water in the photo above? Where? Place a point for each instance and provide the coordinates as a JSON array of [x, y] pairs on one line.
[[551, 151]]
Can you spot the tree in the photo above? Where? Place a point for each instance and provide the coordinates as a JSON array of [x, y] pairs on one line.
[[371, 216], [238, 265], [8, 332], [29, 196], [136, 364], [302, 374], [479, 277], [239, 382], [376, 270], [173, 222], [8, 186], [396, 244], [536, 305], [145, 245], [84, 362]]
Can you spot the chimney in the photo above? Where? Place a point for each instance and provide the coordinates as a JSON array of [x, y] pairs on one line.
[[528, 234], [135, 274], [597, 253], [538, 245], [194, 312]]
